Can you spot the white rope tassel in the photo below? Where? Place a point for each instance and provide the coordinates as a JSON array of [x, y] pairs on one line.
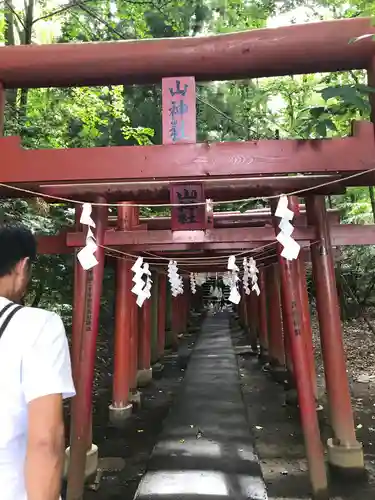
[[291, 247], [175, 280], [227, 279], [234, 295], [246, 277], [200, 278], [253, 271], [193, 284], [141, 288], [86, 255]]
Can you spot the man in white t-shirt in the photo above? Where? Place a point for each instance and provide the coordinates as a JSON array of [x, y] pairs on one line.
[[35, 377]]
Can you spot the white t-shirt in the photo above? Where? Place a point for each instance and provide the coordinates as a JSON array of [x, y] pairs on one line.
[[34, 362]]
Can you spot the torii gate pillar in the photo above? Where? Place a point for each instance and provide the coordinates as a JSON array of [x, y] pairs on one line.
[[276, 352], [262, 311], [344, 452], [294, 331], [81, 462], [121, 409]]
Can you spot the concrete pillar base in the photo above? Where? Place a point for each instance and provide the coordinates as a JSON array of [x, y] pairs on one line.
[[144, 377], [92, 461], [320, 495], [135, 399], [346, 461], [119, 415]]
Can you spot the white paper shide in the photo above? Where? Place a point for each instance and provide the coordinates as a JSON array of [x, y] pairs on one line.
[[291, 247], [142, 281], [175, 280], [193, 283], [253, 273], [234, 295], [86, 256]]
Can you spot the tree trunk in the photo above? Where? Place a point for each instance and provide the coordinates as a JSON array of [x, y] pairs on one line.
[[372, 199], [10, 94], [27, 39]]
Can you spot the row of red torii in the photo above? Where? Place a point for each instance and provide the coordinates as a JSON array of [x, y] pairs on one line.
[[133, 175]]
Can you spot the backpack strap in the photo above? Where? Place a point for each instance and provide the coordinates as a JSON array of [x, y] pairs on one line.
[[4, 310], [7, 320]]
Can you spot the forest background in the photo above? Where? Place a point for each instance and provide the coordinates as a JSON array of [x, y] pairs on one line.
[[307, 106]]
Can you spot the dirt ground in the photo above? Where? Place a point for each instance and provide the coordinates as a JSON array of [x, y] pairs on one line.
[[124, 454], [278, 436]]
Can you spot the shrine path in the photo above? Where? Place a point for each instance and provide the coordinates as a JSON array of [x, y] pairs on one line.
[[206, 449]]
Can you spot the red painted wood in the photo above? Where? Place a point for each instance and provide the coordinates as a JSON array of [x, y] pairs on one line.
[[165, 237], [218, 248], [185, 307], [341, 413], [263, 324], [79, 303], [256, 53], [285, 310], [302, 377], [57, 244], [144, 340], [287, 278], [253, 318], [179, 110], [78, 318], [295, 347], [2, 108], [52, 245], [275, 330], [170, 162], [306, 321], [162, 291], [345, 234], [244, 312], [81, 418], [176, 319], [219, 218], [135, 321], [123, 326], [219, 189]]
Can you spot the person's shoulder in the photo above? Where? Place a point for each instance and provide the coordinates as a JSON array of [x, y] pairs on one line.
[[40, 315], [39, 322]]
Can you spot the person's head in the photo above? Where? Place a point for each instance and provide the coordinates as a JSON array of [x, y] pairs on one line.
[[17, 252]]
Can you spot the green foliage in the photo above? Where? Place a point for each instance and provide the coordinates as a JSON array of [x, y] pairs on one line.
[[303, 107]]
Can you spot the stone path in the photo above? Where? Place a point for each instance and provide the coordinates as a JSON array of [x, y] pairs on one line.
[[206, 450]]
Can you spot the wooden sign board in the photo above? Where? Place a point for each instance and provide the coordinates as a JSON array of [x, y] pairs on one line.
[[188, 218], [179, 110]]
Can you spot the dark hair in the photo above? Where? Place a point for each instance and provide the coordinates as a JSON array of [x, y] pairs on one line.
[[16, 243]]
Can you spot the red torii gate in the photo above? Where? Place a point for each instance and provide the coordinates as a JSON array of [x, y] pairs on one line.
[[226, 170]]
